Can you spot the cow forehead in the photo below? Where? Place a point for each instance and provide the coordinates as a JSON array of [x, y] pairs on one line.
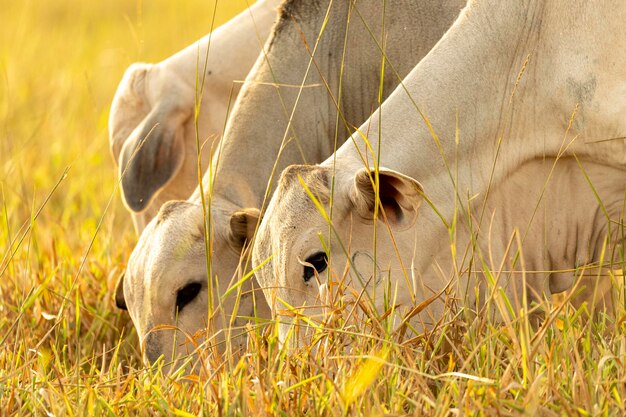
[[292, 202], [161, 244], [279, 225], [292, 213], [295, 209]]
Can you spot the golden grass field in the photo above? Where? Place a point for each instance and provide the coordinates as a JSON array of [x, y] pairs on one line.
[[65, 237]]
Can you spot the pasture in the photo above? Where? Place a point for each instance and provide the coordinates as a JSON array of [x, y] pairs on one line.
[[65, 238]]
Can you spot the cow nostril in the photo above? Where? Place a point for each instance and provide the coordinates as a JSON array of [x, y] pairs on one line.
[[187, 294], [152, 352]]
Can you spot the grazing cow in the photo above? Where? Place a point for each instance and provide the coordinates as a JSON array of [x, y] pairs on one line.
[[155, 103], [286, 97], [511, 83]]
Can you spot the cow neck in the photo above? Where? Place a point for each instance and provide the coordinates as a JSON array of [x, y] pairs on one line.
[[259, 129], [471, 75], [260, 118], [230, 47]]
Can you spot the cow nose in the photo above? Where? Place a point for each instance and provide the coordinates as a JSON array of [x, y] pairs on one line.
[[151, 348]]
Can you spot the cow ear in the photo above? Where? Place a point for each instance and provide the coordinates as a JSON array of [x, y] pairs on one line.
[[129, 106], [242, 226], [152, 155], [400, 196], [120, 301]]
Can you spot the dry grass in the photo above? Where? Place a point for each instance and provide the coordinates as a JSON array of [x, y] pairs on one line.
[[67, 351]]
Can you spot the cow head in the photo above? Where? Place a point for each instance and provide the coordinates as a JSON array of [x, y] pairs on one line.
[[166, 285], [304, 249]]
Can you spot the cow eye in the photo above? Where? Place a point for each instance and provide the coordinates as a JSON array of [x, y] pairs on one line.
[[319, 262], [187, 294]]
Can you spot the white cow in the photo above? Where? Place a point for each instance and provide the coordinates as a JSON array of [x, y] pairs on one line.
[[510, 83], [264, 134], [155, 103]]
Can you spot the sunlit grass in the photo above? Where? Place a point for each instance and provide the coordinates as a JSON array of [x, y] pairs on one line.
[[66, 350]]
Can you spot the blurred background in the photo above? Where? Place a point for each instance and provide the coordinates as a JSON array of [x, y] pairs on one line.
[[60, 63], [62, 246]]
